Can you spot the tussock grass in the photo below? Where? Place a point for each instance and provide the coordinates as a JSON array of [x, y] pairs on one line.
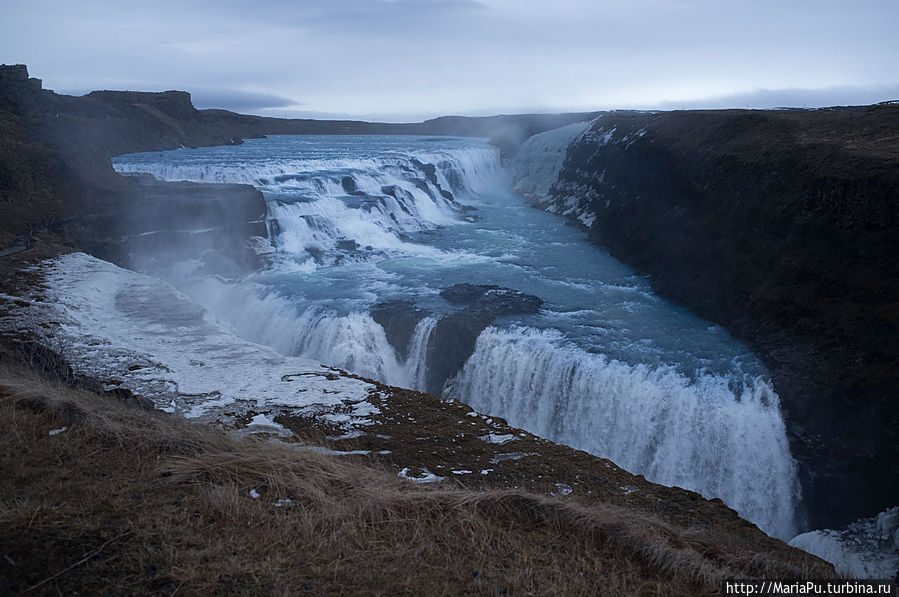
[[127, 501]]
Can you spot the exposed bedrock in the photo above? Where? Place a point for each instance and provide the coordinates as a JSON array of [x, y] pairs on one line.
[[475, 306], [782, 227], [398, 318], [455, 335]]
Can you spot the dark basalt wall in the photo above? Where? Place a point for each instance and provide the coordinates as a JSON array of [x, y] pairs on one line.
[[55, 172], [782, 227]]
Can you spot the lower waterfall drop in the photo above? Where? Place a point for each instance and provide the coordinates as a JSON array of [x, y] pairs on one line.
[[417, 362], [698, 434]]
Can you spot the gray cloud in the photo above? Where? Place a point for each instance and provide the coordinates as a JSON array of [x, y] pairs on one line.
[[237, 100], [793, 98], [415, 59]]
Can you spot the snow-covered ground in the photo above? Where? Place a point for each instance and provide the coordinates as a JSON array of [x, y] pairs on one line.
[[866, 549], [138, 333]]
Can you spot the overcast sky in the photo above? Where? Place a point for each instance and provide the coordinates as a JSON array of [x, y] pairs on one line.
[[415, 59]]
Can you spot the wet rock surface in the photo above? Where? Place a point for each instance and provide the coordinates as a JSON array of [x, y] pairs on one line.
[[491, 299], [455, 335], [398, 318], [475, 306]]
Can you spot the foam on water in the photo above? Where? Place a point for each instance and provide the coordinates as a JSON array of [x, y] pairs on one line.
[[352, 341], [717, 435], [606, 366], [338, 206]]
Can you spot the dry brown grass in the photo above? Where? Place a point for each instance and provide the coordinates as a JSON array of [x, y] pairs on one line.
[[134, 502]]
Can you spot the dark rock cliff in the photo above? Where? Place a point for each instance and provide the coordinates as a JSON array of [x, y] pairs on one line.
[[55, 172], [782, 227], [473, 307], [456, 334]]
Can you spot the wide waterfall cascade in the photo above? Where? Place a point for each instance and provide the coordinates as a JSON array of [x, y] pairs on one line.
[[336, 206], [606, 365], [707, 433]]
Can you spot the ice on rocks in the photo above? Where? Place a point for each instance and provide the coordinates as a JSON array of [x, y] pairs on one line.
[[865, 549], [107, 319], [497, 438], [263, 424]]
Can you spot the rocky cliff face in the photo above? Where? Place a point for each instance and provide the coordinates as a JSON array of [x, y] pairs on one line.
[[782, 227], [55, 172]]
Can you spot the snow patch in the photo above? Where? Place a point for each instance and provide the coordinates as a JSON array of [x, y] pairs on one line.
[[107, 319], [262, 424], [499, 439], [564, 489], [865, 549], [510, 456], [425, 476]]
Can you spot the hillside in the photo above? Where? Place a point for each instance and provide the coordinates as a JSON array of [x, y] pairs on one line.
[[163, 505]]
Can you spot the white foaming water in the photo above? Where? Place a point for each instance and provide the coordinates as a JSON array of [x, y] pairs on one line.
[[416, 364], [606, 366], [353, 342], [696, 434], [338, 206], [468, 168]]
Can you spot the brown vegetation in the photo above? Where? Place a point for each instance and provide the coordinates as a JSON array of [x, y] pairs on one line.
[[126, 501]]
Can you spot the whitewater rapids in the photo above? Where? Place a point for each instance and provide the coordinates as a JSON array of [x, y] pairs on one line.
[[606, 366]]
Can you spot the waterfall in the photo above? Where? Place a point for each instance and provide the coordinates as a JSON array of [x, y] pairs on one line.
[[717, 435], [355, 221], [416, 365], [539, 160], [333, 209]]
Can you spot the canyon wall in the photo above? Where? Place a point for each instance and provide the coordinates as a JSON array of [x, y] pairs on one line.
[[780, 226]]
